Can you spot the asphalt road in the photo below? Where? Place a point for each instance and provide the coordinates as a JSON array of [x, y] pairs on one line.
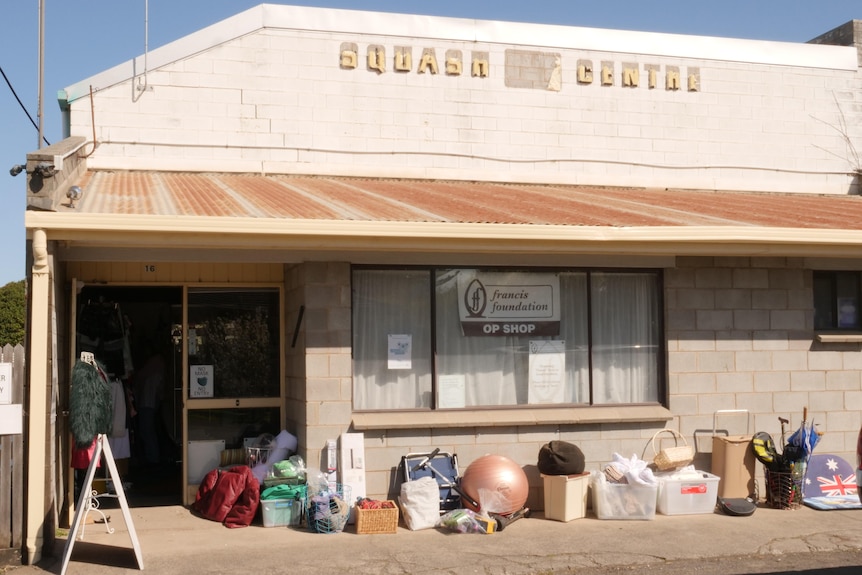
[[816, 563]]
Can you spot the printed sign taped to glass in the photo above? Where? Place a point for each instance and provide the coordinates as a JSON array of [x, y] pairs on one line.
[[507, 304]]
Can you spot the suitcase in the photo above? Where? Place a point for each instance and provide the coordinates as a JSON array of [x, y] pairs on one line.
[[440, 465]]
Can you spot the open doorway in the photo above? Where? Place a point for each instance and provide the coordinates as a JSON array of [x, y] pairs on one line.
[[133, 334]]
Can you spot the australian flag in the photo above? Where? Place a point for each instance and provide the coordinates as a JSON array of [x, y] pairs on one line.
[[829, 476]]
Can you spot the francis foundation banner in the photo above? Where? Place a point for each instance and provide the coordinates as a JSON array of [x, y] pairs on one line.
[[507, 304]]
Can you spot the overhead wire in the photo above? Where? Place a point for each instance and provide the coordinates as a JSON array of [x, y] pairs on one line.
[[21, 104]]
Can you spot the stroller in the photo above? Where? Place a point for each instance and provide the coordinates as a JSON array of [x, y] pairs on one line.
[[443, 467]]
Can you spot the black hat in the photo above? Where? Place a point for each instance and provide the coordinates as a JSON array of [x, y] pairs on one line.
[[561, 458]]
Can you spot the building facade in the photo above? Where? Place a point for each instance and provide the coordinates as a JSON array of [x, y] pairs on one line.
[[469, 235]]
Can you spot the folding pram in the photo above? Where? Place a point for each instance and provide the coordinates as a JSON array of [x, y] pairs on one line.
[[441, 466]]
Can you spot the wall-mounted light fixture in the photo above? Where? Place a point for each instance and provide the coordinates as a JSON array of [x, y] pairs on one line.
[[40, 171], [74, 194]]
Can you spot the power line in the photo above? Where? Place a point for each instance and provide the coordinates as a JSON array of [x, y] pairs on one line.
[[20, 103]]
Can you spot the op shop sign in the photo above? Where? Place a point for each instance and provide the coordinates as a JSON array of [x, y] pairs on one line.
[[509, 304]]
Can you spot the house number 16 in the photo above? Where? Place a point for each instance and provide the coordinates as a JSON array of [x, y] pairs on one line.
[[150, 269]]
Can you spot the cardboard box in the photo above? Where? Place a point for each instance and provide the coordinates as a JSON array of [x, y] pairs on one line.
[[622, 500], [687, 494], [281, 512], [566, 496]]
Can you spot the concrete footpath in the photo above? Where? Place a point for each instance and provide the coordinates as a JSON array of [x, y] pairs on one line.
[[175, 541]]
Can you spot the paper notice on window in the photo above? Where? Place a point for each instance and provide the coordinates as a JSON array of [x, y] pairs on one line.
[[400, 351], [547, 372], [451, 391], [201, 381]]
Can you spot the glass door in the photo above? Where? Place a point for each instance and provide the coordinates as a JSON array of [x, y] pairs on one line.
[[233, 389]]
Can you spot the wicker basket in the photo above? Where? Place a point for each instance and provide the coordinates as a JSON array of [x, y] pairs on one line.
[[672, 457], [374, 521]]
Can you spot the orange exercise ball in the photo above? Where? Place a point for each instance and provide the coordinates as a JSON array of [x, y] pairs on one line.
[[497, 482]]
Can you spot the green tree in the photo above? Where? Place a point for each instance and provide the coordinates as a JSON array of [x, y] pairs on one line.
[[13, 305]]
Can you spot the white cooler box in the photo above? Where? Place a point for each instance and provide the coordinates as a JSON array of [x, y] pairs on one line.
[[687, 493]]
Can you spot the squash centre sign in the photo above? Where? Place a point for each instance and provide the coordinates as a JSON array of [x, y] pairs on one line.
[[506, 304]]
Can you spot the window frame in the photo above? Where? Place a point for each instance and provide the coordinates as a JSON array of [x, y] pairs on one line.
[[662, 386], [834, 277]]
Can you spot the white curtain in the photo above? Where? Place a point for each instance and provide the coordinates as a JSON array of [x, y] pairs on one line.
[[625, 345], [492, 366], [391, 302], [496, 368], [574, 330]]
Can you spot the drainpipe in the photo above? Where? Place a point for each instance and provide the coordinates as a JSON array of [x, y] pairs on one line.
[[37, 401]]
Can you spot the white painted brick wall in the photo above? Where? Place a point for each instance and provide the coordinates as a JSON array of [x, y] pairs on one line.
[[746, 114]]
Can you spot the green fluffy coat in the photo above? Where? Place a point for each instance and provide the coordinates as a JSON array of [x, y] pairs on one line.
[[89, 404]]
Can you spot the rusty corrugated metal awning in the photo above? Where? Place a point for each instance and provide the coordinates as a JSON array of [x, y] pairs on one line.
[[536, 216], [319, 198]]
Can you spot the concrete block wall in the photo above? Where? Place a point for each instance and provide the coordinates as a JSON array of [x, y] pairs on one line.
[[324, 400], [320, 390], [279, 100], [740, 336], [295, 392]]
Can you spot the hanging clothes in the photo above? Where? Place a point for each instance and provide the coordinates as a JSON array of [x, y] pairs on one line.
[[90, 410], [81, 456], [103, 330], [119, 435]]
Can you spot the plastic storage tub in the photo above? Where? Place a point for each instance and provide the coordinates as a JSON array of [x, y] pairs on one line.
[[566, 496], [622, 500], [687, 493], [281, 512]]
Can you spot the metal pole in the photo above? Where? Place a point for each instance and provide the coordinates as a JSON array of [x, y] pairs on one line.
[[39, 87]]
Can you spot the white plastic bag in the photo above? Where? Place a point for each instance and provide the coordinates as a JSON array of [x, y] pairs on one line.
[[635, 470], [420, 503]]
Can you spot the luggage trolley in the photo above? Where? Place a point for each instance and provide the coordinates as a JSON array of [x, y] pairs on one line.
[[443, 467]]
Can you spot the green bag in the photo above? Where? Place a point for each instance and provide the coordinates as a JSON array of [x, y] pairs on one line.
[[283, 491]]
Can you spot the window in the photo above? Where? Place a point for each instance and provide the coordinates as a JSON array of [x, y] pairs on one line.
[[437, 338], [836, 300], [233, 342]]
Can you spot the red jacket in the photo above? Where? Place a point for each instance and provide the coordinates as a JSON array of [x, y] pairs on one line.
[[229, 496]]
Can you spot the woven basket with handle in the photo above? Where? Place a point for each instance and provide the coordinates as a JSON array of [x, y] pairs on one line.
[[672, 457]]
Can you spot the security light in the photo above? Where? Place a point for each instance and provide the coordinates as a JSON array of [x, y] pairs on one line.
[[74, 194]]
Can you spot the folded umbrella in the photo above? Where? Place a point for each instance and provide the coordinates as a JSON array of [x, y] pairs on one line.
[[803, 441]]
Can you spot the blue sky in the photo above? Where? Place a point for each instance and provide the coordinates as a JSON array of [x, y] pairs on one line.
[[85, 37]]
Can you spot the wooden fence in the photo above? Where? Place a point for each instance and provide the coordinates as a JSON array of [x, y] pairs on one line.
[[12, 469]]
